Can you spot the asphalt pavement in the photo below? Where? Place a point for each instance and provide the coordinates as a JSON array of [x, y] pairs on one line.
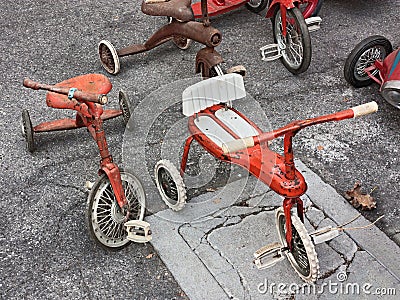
[[45, 249]]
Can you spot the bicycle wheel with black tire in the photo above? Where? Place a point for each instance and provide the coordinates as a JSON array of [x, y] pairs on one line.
[[104, 216], [296, 45], [363, 56], [257, 6], [303, 256]]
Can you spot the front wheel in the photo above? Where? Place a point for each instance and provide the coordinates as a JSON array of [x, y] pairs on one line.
[[303, 257], [363, 56], [257, 6], [27, 130], [109, 57], [105, 218], [296, 45]]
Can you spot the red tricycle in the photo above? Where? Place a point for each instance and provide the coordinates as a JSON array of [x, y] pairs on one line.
[[117, 199], [291, 31], [231, 137], [373, 60]]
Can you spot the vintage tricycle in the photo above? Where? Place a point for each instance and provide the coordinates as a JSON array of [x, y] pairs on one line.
[[373, 60], [291, 31], [117, 199], [231, 137]]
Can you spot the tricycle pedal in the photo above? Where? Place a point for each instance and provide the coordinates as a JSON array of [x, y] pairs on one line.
[[269, 255], [241, 70], [270, 52], [138, 231], [324, 234], [313, 23]]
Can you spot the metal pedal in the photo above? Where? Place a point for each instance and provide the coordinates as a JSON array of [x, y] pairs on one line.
[[241, 70], [271, 52], [269, 255], [138, 231], [324, 234], [313, 23]]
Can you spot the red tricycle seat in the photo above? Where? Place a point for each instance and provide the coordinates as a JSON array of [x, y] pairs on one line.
[[91, 83]]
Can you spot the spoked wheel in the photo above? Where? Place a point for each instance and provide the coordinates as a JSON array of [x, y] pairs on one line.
[[211, 72], [303, 257], [364, 55], [170, 185], [180, 41], [27, 130], [296, 46], [257, 6], [106, 220], [124, 106], [310, 8], [109, 57]]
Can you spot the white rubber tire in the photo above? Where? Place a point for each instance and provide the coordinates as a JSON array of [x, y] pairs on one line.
[[177, 180]]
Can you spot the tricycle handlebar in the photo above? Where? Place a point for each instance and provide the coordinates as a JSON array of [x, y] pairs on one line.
[[77, 94], [294, 127]]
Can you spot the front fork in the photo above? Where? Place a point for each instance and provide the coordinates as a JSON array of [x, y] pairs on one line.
[[107, 165], [287, 207]]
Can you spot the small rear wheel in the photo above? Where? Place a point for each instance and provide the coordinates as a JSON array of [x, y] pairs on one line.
[[105, 218], [363, 56], [303, 257], [296, 45], [170, 185], [124, 106], [109, 57], [257, 6], [27, 130]]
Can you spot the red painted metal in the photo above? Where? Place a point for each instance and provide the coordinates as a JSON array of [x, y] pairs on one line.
[[88, 114], [275, 170], [217, 7]]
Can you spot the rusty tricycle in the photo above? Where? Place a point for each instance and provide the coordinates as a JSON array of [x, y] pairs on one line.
[[181, 29], [230, 136], [291, 32], [116, 202], [373, 60]]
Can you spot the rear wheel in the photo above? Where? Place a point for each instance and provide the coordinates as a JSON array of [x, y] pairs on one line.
[[257, 6], [180, 41], [109, 57], [303, 257], [296, 45], [170, 185], [124, 106], [27, 130], [363, 56], [105, 218]]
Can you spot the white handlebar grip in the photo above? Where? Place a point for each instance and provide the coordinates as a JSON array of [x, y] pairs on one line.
[[237, 145], [365, 109]]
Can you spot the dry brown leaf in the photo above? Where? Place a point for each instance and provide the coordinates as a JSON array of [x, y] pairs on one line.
[[217, 201], [358, 199], [150, 255], [320, 148]]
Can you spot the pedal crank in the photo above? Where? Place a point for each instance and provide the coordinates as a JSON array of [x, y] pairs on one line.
[[324, 234], [271, 52], [138, 231], [269, 255], [313, 23]]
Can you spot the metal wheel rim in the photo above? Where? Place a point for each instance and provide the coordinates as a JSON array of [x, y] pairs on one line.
[[291, 46], [298, 255], [107, 219], [168, 185], [124, 107], [254, 3], [216, 71], [367, 59], [108, 57]]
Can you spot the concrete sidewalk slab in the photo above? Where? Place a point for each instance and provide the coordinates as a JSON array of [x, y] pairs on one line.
[[209, 246]]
